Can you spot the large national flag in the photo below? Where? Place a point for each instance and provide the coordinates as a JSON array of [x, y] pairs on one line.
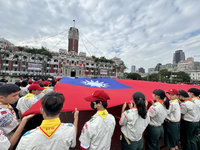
[[119, 90]]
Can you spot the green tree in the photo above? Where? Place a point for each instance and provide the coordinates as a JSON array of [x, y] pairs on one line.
[[153, 77], [164, 75], [133, 76], [182, 77]]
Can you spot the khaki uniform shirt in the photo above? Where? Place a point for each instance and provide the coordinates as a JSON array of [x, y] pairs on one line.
[[97, 133], [63, 139], [174, 112], [157, 113], [133, 125], [190, 111], [4, 142], [8, 121]]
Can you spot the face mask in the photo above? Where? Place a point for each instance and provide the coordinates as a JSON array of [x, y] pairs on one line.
[[181, 100]]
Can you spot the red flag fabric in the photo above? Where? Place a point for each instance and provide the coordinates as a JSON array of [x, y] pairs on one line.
[[119, 90]]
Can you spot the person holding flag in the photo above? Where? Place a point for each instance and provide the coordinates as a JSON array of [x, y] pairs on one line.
[[51, 134], [134, 121], [97, 132], [25, 102], [171, 126], [157, 112], [189, 123]]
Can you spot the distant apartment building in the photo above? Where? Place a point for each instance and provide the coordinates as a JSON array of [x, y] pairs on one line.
[[133, 68], [141, 70], [178, 56]]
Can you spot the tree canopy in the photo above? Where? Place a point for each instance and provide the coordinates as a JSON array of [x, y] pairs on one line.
[[42, 50]]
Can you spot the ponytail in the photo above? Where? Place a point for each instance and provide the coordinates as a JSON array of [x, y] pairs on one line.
[[166, 103], [162, 96], [139, 100]]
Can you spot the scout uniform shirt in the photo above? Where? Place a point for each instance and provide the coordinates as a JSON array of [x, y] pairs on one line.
[[8, 120], [97, 132], [24, 103], [190, 110], [174, 111], [23, 91], [196, 100], [133, 125], [157, 113], [52, 134], [47, 90], [4, 142]]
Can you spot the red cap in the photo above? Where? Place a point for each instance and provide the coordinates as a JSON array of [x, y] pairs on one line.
[[173, 92], [98, 95], [57, 79], [46, 82], [35, 87], [30, 81]]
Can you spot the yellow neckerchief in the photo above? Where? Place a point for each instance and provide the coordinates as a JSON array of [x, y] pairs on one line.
[[46, 88], [174, 100], [160, 101], [29, 95], [103, 113], [49, 127], [9, 107]]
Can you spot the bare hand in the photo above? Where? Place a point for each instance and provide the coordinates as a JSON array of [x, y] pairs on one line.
[[146, 103], [152, 102], [124, 106], [27, 118], [76, 112]]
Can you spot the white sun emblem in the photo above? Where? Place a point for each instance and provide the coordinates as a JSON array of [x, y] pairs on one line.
[[95, 84]]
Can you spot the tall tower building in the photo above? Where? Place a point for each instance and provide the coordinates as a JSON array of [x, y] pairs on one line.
[[73, 37], [133, 68], [179, 55]]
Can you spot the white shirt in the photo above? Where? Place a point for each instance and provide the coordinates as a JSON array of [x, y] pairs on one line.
[[23, 91], [190, 111], [174, 111], [157, 113], [133, 125], [8, 121], [24, 104], [197, 102], [4, 142], [63, 139], [97, 132], [46, 91]]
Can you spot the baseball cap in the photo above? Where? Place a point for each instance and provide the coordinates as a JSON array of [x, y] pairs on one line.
[[35, 87], [46, 82], [98, 95], [173, 92]]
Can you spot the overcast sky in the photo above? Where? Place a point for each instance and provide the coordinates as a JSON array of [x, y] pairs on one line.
[[140, 32]]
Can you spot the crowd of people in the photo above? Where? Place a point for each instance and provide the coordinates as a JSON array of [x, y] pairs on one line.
[[174, 115]]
